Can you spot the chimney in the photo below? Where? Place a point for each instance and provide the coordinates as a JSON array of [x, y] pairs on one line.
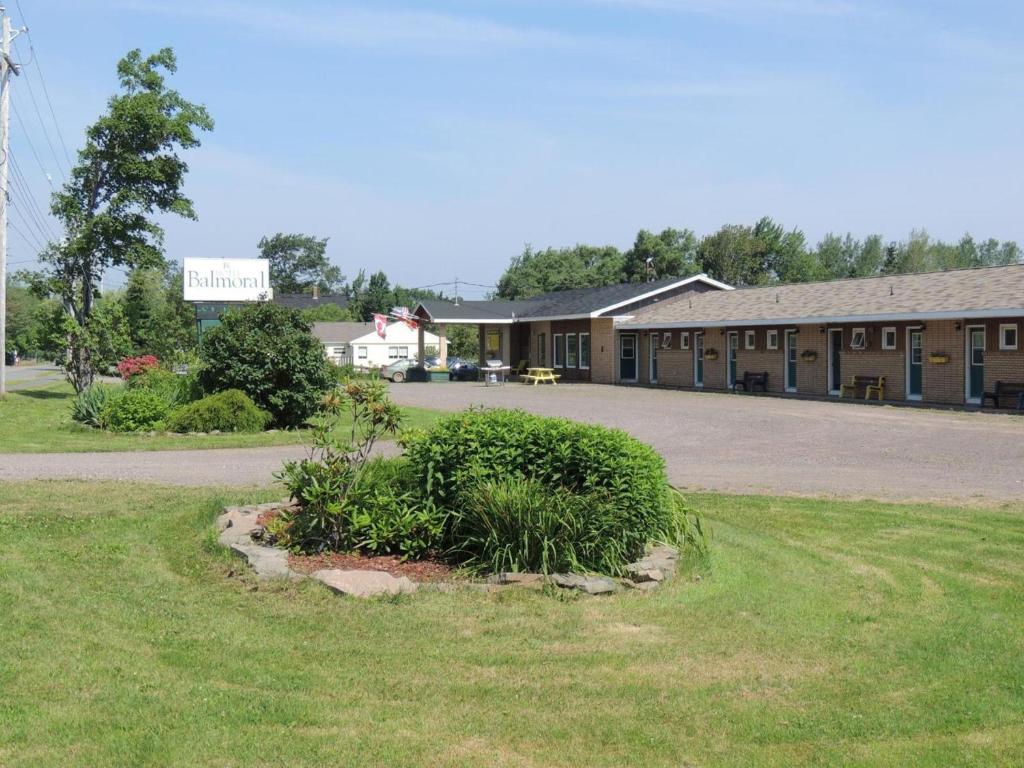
[[316, 292]]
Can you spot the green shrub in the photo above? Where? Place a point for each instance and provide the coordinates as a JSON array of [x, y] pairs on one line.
[[625, 492], [175, 389], [270, 353], [87, 407], [228, 411], [133, 411]]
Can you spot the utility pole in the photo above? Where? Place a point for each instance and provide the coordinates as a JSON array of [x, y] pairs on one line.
[[6, 68]]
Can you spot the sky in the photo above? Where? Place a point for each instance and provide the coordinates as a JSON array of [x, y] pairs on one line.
[[434, 139]]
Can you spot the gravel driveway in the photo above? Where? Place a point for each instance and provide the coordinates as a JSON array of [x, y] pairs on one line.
[[738, 443]]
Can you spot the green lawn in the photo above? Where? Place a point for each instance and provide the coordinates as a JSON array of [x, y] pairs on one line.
[[821, 633], [38, 420]]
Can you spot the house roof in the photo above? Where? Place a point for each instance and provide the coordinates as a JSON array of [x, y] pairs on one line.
[[979, 292], [307, 300], [559, 305], [340, 333]]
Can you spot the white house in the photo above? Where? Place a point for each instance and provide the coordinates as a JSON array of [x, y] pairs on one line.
[[359, 344]]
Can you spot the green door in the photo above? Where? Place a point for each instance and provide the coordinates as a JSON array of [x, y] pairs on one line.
[[915, 364], [976, 363], [734, 344], [627, 357], [791, 361], [698, 359]]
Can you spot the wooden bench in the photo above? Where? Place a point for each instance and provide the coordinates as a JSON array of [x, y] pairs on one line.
[[751, 381], [1005, 390], [864, 386]]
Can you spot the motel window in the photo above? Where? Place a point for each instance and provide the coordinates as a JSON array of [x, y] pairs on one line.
[[888, 338], [773, 339], [684, 340], [542, 350], [749, 340], [666, 340], [492, 345], [571, 350], [859, 339], [584, 350], [1008, 337], [559, 350], [361, 352]]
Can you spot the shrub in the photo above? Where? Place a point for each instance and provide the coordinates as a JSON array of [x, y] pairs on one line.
[[268, 352], [175, 389], [625, 493], [229, 411], [87, 407], [130, 367], [134, 410]]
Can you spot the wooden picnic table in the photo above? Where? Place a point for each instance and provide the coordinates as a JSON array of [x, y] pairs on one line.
[[537, 375]]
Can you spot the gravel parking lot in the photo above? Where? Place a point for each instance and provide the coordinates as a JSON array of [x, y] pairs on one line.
[[753, 444]]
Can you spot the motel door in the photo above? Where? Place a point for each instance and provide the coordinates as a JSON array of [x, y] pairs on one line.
[[835, 356], [627, 357], [655, 343], [975, 363], [791, 361], [698, 359], [915, 337], [734, 345]]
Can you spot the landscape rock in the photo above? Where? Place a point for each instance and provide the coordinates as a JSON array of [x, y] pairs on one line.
[[363, 583], [266, 562], [643, 586], [590, 585], [518, 579], [640, 574]]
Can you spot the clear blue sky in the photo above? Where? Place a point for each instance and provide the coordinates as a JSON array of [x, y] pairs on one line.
[[434, 139]]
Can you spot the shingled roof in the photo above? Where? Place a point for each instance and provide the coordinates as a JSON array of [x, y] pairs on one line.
[[976, 293], [558, 305]]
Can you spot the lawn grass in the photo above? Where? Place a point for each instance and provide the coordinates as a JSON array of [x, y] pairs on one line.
[[820, 633], [38, 420]]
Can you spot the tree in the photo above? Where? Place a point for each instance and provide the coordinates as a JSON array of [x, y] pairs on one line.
[[128, 172], [327, 313], [22, 322], [268, 352], [463, 341], [729, 255], [671, 253], [298, 263], [532, 273], [159, 321]]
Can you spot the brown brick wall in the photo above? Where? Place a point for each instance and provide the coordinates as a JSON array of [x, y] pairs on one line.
[[536, 329], [602, 351]]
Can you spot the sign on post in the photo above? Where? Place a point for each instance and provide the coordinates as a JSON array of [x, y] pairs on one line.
[[227, 280]]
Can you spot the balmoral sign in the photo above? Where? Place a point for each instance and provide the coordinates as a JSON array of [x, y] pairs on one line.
[[227, 280]]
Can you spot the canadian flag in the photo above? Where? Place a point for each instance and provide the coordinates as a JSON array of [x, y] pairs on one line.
[[380, 322], [403, 314]]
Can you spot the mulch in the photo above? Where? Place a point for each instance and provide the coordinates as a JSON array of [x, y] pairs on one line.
[[417, 570]]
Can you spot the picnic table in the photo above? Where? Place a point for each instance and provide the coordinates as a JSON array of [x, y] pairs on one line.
[[537, 375]]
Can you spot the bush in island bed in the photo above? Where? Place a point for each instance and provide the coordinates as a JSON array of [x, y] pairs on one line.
[[229, 411], [134, 410], [270, 353], [88, 405]]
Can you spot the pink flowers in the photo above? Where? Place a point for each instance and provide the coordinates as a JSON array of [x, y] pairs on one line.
[[133, 366]]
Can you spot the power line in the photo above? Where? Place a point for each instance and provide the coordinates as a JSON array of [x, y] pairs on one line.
[[42, 124], [23, 236], [26, 192], [31, 146]]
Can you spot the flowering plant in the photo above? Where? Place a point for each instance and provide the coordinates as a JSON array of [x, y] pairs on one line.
[[130, 367]]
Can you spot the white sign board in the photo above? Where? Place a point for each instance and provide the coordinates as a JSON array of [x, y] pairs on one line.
[[227, 280]]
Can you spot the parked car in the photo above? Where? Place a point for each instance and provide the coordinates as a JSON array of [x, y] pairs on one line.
[[398, 370], [462, 370], [432, 361]]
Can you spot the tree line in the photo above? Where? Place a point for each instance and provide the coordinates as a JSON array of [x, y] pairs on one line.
[[765, 253]]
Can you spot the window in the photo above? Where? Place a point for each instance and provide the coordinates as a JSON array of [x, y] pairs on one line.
[[337, 351], [749, 340], [392, 353], [1008, 337], [361, 353], [666, 340], [584, 350], [559, 350], [859, 339], [571, 350], [403, 352], [684, 340], [542, 350], [492, 344], [888, 338], [773, 339]]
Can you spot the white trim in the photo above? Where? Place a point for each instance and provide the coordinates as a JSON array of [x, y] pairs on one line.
[[863, 338], [968, 362], [886, 330], [574, 347], [684, 340], [557, 342], [750, 340], [636, 357], [834, 390], [959, 314], [579, 353], [1016, 337], [730, 379], [653, 344], [909, 351], [469, 321], [769, 334], [787, 334], [702, 277], [698, 349]]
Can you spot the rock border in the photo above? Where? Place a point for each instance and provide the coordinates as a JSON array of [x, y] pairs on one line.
[[238, 529]]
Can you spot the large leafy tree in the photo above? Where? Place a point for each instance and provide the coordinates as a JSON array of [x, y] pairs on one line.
[[128, 172], [532, 273], [670, 253], [298, 263]]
